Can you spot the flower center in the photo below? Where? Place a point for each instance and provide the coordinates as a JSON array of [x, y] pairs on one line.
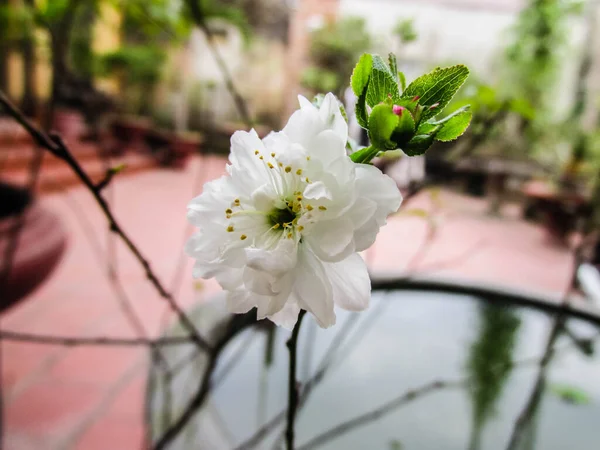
[[281, 217]]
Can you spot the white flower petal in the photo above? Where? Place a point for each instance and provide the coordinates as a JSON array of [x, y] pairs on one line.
[[277, 261], [317, 191], [332, 116], [327, 147], [287, 316], [313, 289], [240, 302], [350, 283], [332, 240]]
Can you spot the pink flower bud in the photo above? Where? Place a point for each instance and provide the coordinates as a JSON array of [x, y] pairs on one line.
[[416, 97], [398, 109]]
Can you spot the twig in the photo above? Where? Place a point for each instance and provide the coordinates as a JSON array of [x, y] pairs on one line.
[[237, 323], [377, 413], [57, 147], [292, 345], [93, 341], [240, 103]]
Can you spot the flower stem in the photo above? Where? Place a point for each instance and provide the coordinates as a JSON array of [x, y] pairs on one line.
[[292, 384]]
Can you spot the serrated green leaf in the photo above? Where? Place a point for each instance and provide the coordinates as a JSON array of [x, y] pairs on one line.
[[418, 145], [454, 127], [393, 66], [382, 84], [361, 74], [382, 124], [361, 109], [571, 394], [365, 155], [402, 80], [437, 87]]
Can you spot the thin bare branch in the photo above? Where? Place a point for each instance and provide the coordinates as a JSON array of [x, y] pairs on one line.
[[240, 102], [57, 147], [92, 341]]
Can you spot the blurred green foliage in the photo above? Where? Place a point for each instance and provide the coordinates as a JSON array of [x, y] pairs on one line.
[[490, 363], [334, 49], [405, 31]]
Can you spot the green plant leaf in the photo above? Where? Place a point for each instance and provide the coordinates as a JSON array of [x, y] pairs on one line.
[[402, 80], [382, 84], [361, 74], [571, 394], [393, 66], [418, 144], [454, 127], [361, 109], [382, 124], [365, 155], [437, 87]]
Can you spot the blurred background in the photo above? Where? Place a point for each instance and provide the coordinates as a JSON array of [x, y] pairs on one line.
[[146, 94]]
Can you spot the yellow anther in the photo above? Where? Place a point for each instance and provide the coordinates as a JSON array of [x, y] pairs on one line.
[[299, 198], [299, 172], [260, 157], [307, 180], [309, 207], [271, 166], [243, 237], [237, 201], [230, 228], [300, 228], [280, 164], [273, 155], [308, 158], [228, 211], [228, 216], [274, 227], [289, 235], [322, 208], [288, 169], [256, 152]]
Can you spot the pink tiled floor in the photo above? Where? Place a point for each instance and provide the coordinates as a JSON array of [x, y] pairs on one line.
[[91, 398]]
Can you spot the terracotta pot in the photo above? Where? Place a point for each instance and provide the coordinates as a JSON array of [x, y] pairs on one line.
[[132, 133], [41, 244], [182, 147]]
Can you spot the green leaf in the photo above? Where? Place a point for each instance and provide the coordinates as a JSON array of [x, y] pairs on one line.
[[454, 127], [382, 123], [402, 80], [361, 109], [437, 87], [382, 84], [393, 66], [364, 155], [571, 394], [418, 144], [361, 74]]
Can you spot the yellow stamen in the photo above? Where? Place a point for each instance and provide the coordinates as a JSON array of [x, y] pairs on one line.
[[237, 201], [274, 227], [289, 235], [299, 172], [273, 155], [228, 211], [309, 207], [280, 164], [271, 166], [288, 169], [243, 237], [322, 208], [308, 158], [256, 152], [230, 228], [261, 157], [300, 228]]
